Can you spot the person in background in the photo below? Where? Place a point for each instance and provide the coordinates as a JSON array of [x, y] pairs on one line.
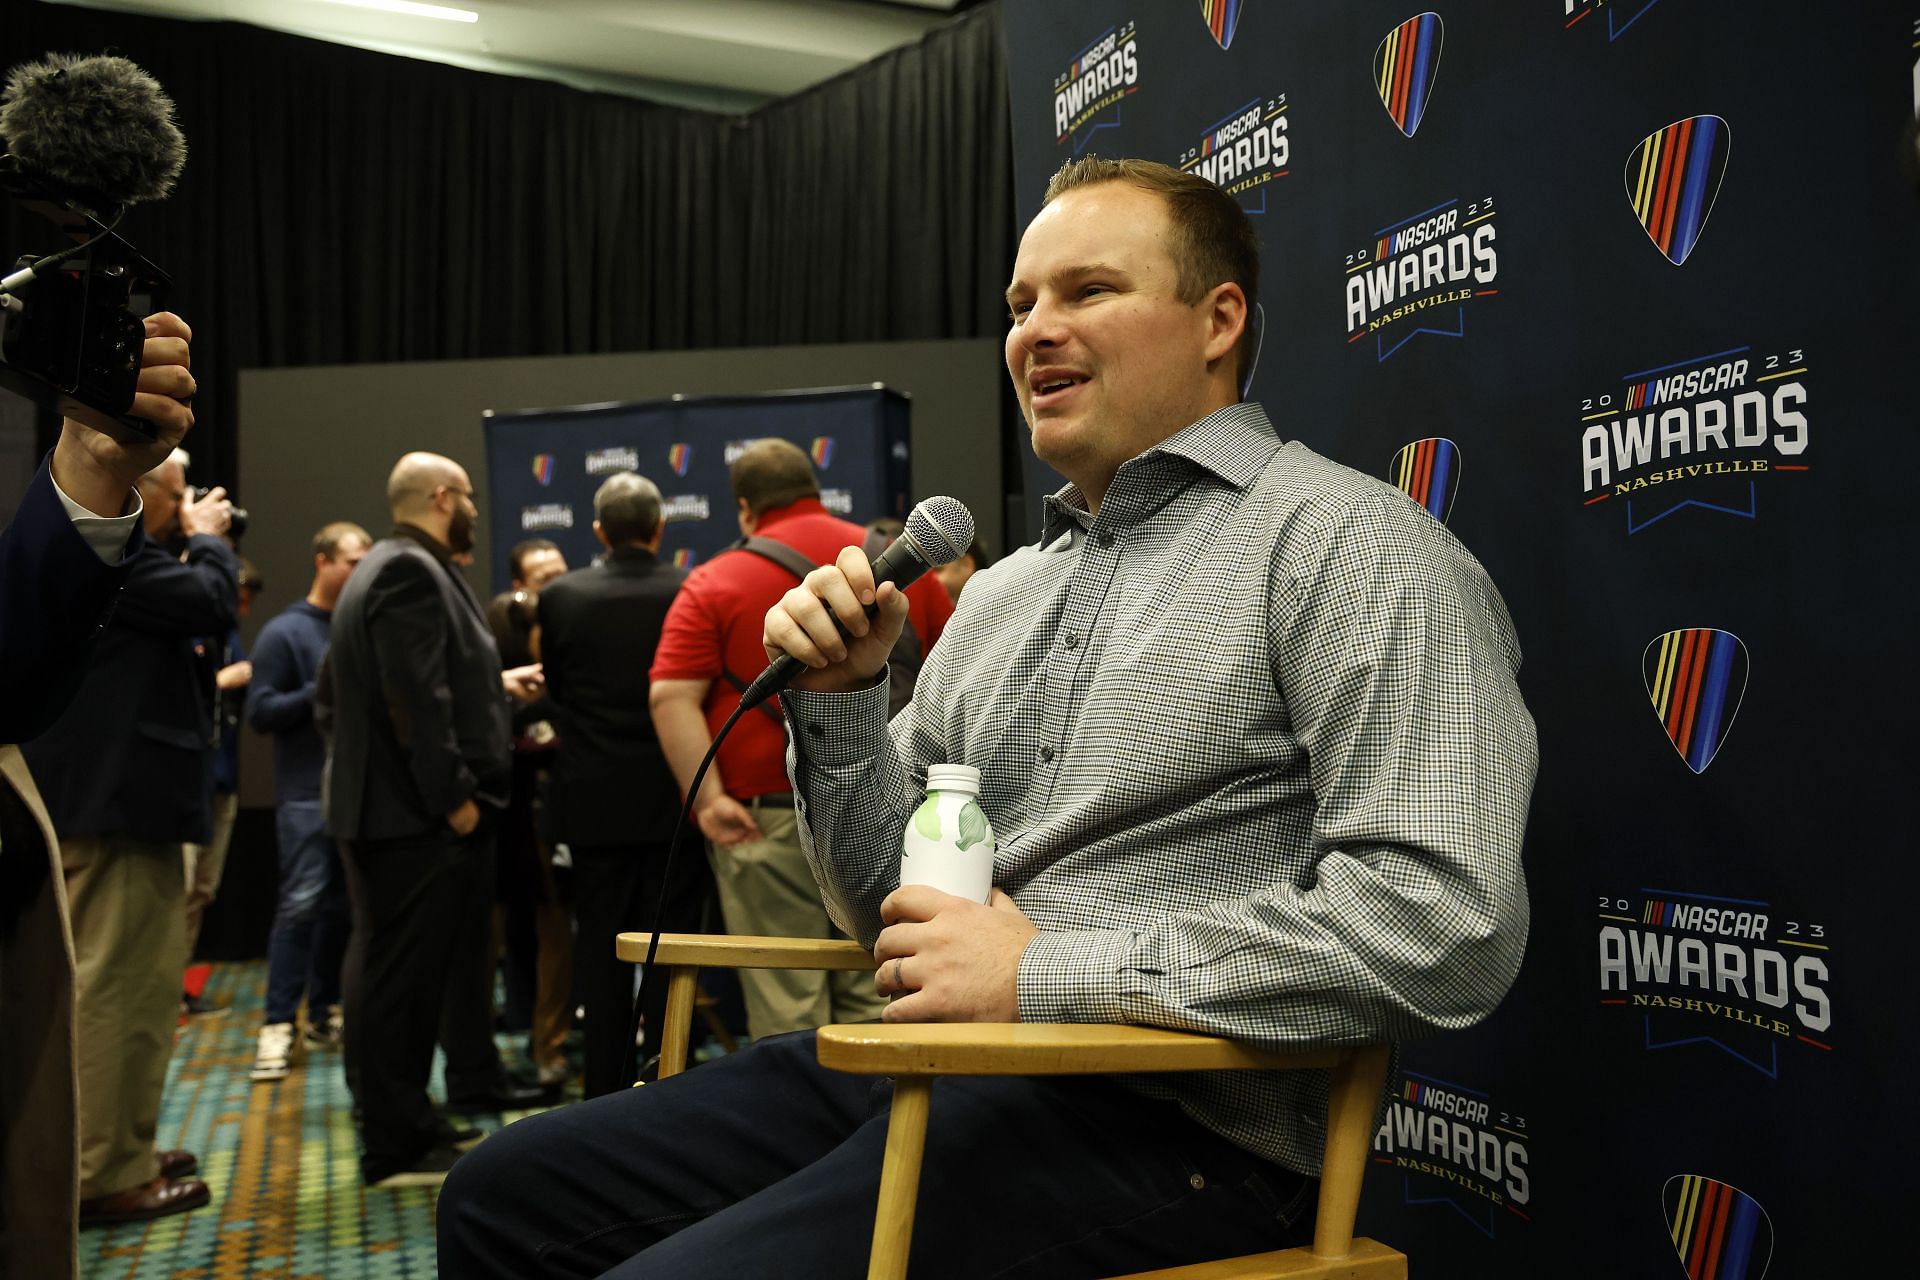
[[206, 863], [614, 799], [309, 938], [532, 926], [415, 780]]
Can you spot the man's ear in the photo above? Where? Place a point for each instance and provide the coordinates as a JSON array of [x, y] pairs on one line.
[[601, 534], [1227, 319]]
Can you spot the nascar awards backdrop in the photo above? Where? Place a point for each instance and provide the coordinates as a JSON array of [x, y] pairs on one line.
[[544, 465], [1624, 293]]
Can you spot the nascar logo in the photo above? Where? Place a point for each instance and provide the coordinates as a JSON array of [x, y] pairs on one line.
[[684, 558], [822, 452], [1404, 67], [1428, 471], [1719, 1231], [1222, 18], [1696, 678], [1673, 178], [679, 457], [543, 468]]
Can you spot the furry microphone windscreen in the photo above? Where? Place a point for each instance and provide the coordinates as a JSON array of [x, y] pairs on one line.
[[99, 124]]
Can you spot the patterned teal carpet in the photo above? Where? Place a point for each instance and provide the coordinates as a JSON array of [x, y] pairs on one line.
[[281, 1162]]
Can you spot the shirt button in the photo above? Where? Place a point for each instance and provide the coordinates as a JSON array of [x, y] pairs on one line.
[[1046, 755], [1104, 537], [1070, 640], [1197, 1182]]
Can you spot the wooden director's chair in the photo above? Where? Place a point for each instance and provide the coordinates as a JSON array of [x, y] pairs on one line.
[[914, 1054]]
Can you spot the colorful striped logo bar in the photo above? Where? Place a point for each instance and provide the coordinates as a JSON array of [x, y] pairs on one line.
[[1222, 18], [1404, 67], [822, 452], [679, 457], [1428, 471], [1696, 678], [1719, 1231], [1637, 395], [1673, 178], [543, 468], [1660, 913]]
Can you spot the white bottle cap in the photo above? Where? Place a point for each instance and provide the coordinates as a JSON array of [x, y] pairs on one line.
[[953, 777]]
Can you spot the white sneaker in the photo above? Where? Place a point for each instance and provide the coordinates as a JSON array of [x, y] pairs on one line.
[[327, 1035], [272, 1060]]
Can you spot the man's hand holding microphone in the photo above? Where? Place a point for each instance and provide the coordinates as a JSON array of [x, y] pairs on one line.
[[942, 958]]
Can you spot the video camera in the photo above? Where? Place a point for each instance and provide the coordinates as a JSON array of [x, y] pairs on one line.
[[86, 137]]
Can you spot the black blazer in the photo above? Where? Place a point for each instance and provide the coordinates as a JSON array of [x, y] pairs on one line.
[[599, 627], [418, 717], [55, 597], [133, 753]]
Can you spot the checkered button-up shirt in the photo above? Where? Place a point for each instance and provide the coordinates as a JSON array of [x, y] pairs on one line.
[[1252, 748]]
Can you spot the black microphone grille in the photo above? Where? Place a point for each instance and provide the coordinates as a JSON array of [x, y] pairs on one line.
[[940, 529]]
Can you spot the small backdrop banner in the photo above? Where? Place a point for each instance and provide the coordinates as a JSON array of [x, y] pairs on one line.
[[544, 465], [1624, 293]]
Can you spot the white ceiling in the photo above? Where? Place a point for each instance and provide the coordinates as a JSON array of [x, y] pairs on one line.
[[722, 55]]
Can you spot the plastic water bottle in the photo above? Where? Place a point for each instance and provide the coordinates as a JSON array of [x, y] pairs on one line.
[[949, 843]]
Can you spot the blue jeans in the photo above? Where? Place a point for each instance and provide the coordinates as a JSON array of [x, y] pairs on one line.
[[310, 924], [764, 1163]]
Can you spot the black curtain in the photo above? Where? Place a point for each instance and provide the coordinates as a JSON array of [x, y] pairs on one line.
[[341, 206]]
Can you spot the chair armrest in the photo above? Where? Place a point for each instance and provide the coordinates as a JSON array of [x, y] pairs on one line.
[[725, 951], [1041, 1049]]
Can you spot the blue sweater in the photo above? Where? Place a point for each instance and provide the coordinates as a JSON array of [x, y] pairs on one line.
[[286, 658]]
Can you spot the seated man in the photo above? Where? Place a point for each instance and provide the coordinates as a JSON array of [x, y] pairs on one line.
[[1279, 798]]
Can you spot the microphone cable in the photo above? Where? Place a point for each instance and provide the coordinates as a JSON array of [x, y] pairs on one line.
[[629, 1053]]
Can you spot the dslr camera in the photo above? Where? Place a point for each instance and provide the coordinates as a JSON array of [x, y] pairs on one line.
[[237, 515]]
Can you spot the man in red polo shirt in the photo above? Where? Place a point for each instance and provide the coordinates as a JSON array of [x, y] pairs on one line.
[[709, 651]]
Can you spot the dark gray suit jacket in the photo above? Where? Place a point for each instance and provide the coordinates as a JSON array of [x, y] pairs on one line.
[[418, 718], [599, 627]]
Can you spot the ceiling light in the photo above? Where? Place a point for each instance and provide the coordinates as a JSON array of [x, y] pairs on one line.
[[408, 7]]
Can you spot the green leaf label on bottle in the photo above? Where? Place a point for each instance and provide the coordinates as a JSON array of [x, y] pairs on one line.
[[926, 819], [973, 825]]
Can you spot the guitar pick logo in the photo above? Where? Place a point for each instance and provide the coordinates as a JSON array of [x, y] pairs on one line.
[[1673, 178], [1719, 1231], [1222, 18], [1696, 678], [543, 468], [1404, 67], [1428, 471]]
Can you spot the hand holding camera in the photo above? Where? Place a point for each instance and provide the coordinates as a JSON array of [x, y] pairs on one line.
[[95, 469], [205, 511]]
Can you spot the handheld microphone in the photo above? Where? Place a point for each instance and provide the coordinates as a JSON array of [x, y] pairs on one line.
[[938, 531]]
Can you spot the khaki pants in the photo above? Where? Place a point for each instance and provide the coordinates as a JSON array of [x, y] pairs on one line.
[[767, 888], [129, 936], [206, 862]]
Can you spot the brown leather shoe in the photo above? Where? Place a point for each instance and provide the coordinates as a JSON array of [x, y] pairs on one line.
[[178, 1164], [154, 1199]]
